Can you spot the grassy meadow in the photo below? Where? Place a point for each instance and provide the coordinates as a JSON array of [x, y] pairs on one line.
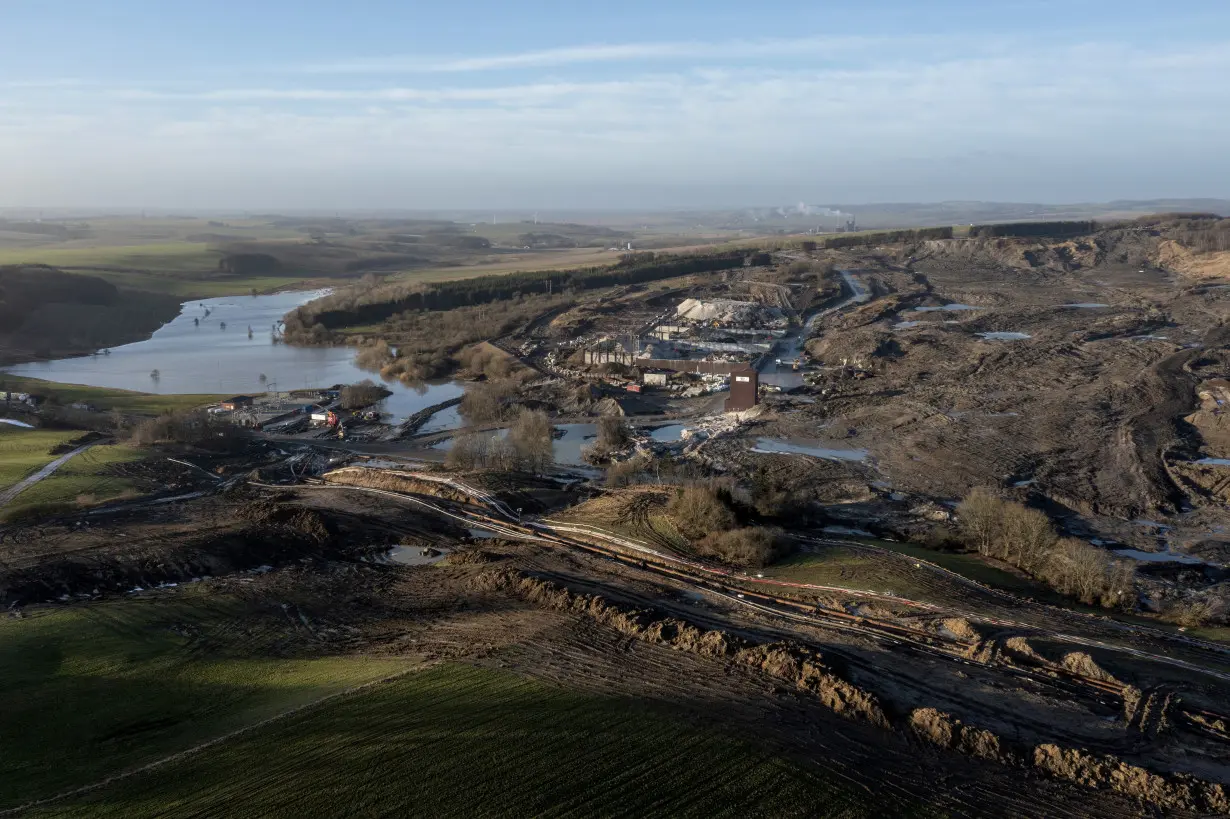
[[92, 690], [23, 451], [85, 479], [106, 398], [461, 741]]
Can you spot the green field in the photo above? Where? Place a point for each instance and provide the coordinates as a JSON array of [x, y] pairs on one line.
[[85, 478], [855, 568], [22, 451], [105, 398], [204, 288], [94, 689], [168, 256], [462, 741]]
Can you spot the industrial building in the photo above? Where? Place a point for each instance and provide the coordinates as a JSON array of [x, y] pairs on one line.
[[744, 389]]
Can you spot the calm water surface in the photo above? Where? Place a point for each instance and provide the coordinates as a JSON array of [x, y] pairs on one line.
[[194, 353]]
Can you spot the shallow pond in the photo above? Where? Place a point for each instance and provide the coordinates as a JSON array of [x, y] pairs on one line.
[[195, 353], [669, 433], [775, 447], [1214, 461], [1003, 336], [946, 307], [1084, 305], [442, 421], [1158, 557], [416, 555]]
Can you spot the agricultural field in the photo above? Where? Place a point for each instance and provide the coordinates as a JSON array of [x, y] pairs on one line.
[[23, 451], [463, 741], [86, 478], [168, 257], [91, 691]]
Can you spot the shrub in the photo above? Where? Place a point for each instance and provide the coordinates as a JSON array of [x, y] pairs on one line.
[[626, 473], [531, 440], [701, 510], [192, 427], [751, 546], [363, 394], [1024, 537]]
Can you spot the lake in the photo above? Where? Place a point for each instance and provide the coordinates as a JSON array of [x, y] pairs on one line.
[[195, 353]]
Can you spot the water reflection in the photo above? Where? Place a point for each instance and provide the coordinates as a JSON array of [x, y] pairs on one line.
[[207, 349]]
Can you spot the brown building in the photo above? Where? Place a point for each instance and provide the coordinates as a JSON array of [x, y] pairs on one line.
[[744, 389], [238, 402]]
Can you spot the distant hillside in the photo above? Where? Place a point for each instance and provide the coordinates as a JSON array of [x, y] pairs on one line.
[[46, 312]]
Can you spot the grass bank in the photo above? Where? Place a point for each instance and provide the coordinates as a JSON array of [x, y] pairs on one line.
[[85, 479], [462, 741], [106, 398], [92, 690], [23, 451]]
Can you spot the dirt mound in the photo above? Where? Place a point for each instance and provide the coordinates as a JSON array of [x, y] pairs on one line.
[[1078, 662], [294, 518], [950, 733], [1020, 649], [395, 482], [798, 665], [473, 557], [1179, 792], [959, 628], [1211, 266]]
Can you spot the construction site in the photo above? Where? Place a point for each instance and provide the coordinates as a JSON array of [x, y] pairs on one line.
[[945, 523]]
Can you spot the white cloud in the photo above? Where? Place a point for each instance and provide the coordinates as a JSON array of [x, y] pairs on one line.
[[1057, 123], [815, 47]]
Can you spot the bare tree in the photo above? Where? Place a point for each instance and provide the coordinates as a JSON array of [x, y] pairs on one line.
[[980, 516], [1026, 537], [531, 440]]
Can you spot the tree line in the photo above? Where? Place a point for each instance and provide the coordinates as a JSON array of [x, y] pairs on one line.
[[1030, 229], [1025, 538], [372, 304], [886, 237]]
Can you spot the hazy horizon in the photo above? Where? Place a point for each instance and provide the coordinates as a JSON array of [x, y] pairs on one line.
[[479, 106]]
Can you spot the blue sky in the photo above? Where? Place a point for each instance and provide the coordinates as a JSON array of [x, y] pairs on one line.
[[478, 104]]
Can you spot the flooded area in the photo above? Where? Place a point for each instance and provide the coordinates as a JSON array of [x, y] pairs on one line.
[[668, 434], [1158, 557], [1005, 336], [776, 447], [442, 421], [789, 348], [945, 308], [227, 346], [416, 555]]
